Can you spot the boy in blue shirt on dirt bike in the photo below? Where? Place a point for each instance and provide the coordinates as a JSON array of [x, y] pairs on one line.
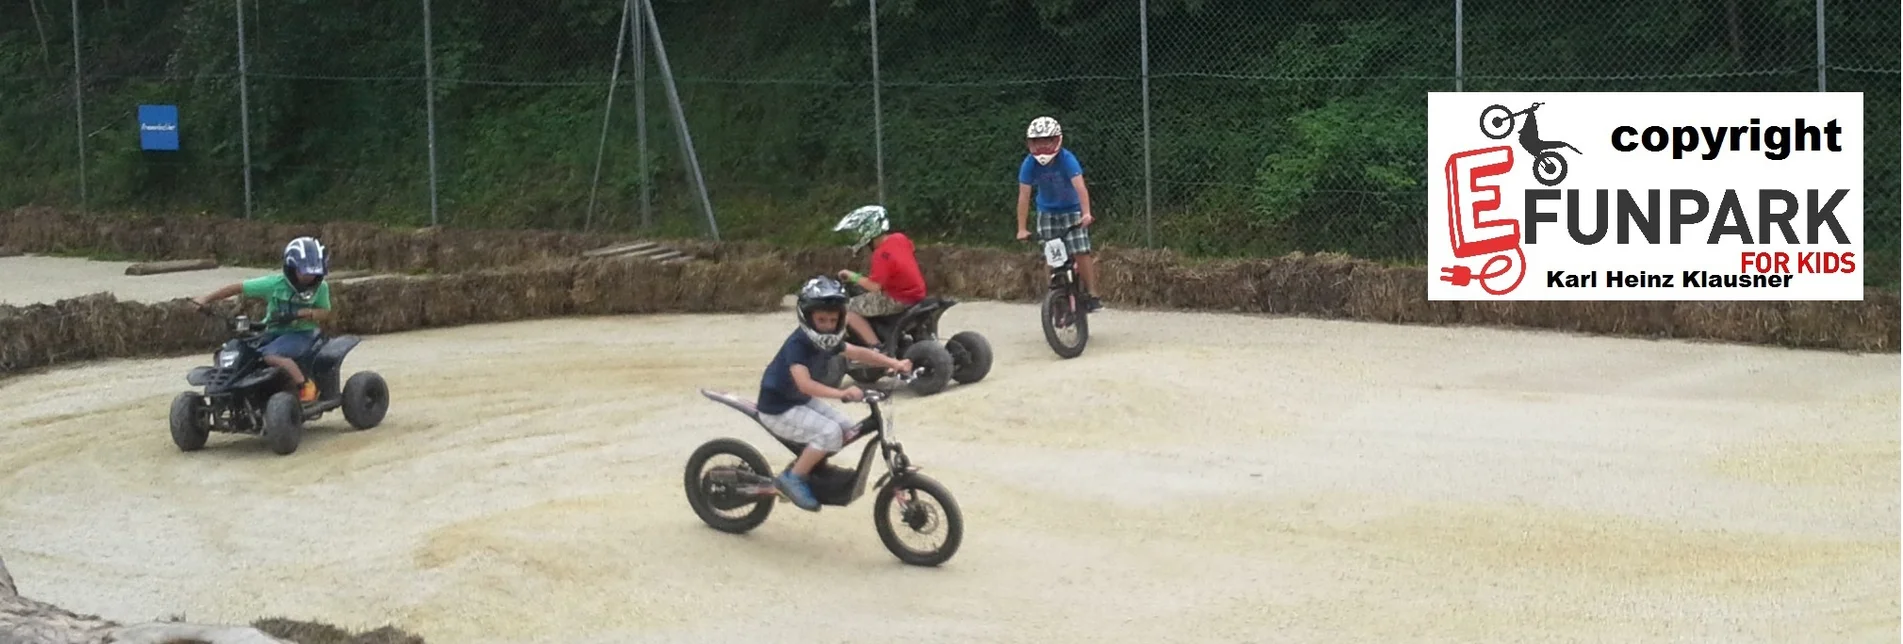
[[790, 387], [1062, 199]]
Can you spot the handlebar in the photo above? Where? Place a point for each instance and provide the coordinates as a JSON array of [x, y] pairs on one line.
[[878, 395]]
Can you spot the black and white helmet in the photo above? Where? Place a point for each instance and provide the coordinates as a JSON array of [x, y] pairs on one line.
[[1044, 137], [823, 293], [305, 255]]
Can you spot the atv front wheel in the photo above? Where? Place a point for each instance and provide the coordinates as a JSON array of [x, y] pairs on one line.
[[283, 422], [933, 364], [189, 429], [971, 357]]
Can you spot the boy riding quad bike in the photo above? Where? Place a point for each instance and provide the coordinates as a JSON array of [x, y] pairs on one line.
[[270, 381], [891, 312]]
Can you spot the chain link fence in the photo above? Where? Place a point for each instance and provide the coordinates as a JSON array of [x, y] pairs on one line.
[[1223, 127]]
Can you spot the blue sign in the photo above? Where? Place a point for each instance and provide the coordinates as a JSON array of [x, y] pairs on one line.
[[158, 127]]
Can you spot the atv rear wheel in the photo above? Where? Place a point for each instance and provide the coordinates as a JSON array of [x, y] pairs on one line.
[[189, 426], [283, 422], [366, 399], [971, 357]]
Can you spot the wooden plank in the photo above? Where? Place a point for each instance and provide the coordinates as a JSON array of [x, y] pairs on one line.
[[618, 250], [174, 266]]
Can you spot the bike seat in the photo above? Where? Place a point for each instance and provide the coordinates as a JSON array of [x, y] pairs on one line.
[[745, 406]]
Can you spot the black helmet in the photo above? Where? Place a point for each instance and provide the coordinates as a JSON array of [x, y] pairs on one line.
[[822, 293], [305, 255]]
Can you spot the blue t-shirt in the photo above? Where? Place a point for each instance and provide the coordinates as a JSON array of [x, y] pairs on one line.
[[777, 391], [1052, 182]]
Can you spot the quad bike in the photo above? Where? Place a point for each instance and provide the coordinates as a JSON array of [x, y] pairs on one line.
[[1062, 309], [244, 395], [913, 335], [737, 498]]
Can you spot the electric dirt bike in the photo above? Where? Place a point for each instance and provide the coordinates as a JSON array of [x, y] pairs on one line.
[[1066, 322], [912, 334], [1549, 168], [244, 395], [737, 498]]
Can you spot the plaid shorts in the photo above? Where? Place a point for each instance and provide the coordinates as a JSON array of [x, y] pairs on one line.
[[1048, 223], [815, 423]]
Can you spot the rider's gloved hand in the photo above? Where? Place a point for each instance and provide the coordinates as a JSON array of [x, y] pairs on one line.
[[852, 394]]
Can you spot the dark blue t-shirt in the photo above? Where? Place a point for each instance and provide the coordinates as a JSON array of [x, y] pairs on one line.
[[777, 391]]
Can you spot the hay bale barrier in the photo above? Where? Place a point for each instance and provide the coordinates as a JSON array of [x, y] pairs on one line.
[[724, 276], [99, 326]]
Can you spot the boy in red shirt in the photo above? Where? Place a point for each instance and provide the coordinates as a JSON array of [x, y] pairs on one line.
[[895, 283]]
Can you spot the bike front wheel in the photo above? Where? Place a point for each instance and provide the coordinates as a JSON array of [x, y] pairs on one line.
[[924, 507], [1066, 327], [1496, 121]]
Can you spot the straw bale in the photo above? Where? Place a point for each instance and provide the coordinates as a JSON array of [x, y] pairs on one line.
[[1137, 278], [249, 245], [1212, 286], [747, 285], [1301, 284], [173, 326], [1869, 325], [1753, 322], [361, 246], [304, 632], [385, 304], [983, 273], [1649, 319], [9, 251], [1395, 295], [819, 260], [625, 284], [143, 237], [41, 229], [532, 292]]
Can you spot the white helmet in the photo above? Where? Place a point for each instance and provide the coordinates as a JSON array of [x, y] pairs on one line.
[[865, 223], [1044, 137]]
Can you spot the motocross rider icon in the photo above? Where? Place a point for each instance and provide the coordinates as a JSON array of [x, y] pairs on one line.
[[1497, 238]]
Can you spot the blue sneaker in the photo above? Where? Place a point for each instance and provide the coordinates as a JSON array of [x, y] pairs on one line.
[[795, 489]]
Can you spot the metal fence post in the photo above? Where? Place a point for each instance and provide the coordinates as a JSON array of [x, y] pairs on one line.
[[614, 78], [79, 110], [1149, 213], [641, 118], [680, 118], [1820, 45], [429, 107], [1460, 47], [244, 109], [878, 120]]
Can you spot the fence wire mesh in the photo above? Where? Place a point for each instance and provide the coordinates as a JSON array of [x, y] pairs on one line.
[[1224, 127]]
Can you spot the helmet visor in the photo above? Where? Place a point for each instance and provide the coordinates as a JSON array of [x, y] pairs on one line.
[[1043, 145]]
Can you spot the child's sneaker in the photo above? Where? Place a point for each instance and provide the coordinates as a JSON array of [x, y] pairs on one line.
[[308, 394], [795, 489]]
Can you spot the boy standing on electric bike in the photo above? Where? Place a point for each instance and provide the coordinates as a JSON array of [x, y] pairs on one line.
[[295, 301], [1062, 199], [789, 391], [895, 283]]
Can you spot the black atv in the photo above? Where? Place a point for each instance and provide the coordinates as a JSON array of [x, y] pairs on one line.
[[912, 334], [244, 395]]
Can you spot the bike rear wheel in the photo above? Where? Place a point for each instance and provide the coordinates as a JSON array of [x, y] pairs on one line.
[[715, 501]]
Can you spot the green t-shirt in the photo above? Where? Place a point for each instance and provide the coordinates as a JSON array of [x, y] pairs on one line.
[[278, 295]]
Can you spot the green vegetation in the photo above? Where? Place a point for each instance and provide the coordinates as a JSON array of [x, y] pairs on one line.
[[1275, 126]]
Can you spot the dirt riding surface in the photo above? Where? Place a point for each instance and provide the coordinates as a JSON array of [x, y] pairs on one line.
[[32, 279], [1200, 477]]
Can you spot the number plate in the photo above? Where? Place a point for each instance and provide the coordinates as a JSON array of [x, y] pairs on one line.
[[1055, 254]]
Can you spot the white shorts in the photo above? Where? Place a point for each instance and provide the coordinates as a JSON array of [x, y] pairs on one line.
[[815, 423]]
